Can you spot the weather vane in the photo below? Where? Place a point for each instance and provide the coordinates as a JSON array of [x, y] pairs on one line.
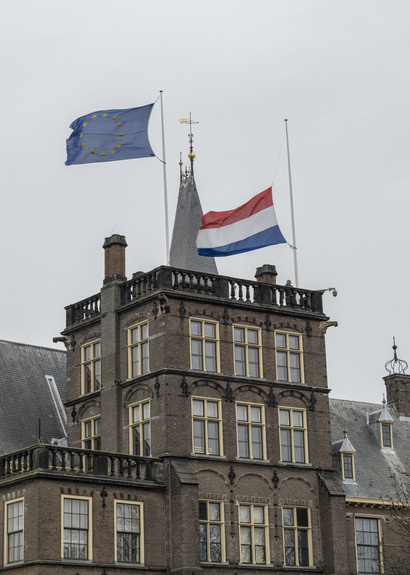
[[191, 154], [396, 365]]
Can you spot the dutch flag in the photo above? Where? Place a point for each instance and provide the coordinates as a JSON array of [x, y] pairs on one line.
[[249, 227]]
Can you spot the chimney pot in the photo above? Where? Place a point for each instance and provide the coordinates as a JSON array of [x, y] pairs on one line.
[[266, 274]]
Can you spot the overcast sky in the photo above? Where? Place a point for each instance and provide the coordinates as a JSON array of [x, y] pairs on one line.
[[338, 70]]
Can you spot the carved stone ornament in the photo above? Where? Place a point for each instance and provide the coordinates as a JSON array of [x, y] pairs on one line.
[[157, 386], [308, 329], [73, 343], [268, 323], [104, 496], [73, 414], [231, 476], [275, 479], [184, 387], [228, 393], [312, 401], [225, 317], [155, 310], [271, 397], [182, 310]]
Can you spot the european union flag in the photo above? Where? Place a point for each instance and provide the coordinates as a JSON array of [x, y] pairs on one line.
[[110, 135]]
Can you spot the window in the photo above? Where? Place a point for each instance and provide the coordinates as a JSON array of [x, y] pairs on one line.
[[247, 351], [289, 365], [211, 531], [297, 536], [367, 545], [91, 367], [140, 428], [13, 532], [348, 466], [293, 435], [250, 422], [253, 524], [138, 350], [91, 433], [76, 528], [386, 429], [204, 345], [207, 426], [128, 525]]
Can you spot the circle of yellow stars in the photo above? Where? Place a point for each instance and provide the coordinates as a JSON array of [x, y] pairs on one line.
[[120, 135]]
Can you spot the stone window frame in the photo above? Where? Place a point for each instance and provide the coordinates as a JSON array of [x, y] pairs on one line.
[[91, 362], [143, 423], [140, 538], [250, 424], [88, 529], [138, 346], [8, 505], [288, 352], [206, 526], [248, 346], [207, 420], [296, 528], [251, 528], [94, 439], [378, 545], [292, 428], [204, 339]]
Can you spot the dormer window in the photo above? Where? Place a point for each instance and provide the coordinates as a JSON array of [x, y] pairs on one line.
[[348, 465], [386, 434]]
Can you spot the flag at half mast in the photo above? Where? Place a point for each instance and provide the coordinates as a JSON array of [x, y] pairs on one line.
[[249, 227], [110, 135]]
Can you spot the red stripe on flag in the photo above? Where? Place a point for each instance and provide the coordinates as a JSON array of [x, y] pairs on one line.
[[256, 204]]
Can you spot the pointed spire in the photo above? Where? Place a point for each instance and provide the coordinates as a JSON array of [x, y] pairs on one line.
[[183, 252]]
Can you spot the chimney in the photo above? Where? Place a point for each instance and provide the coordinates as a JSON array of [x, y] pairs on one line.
[[114, 247], [398, 392], [266, 274]]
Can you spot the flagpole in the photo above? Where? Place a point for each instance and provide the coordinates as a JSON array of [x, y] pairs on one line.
[[164, 171], [295, 257]]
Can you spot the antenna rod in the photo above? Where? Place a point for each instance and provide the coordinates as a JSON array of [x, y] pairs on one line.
[[164, 171], [292, 211]]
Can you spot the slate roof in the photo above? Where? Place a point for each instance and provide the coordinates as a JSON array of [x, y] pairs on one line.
[[183, 252], [380, 473], [26, 395]]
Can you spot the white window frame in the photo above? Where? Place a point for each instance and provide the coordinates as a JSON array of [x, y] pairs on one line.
[[250, 424], [250, 528], [293, 429], [143, 423], [207, 525], [89, 528], [94, 364], [203, 340], [208, 422], [10, 533], [248, 346], [140, 506], [295, 529], [289, 353], [140, 345]]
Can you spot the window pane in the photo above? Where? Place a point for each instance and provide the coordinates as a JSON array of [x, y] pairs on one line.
[[252, 336], [303, 548], [297, 417], [290, 555], [281, 340], [284, 417], [240, 361], [257, 446], [145, 410], [245, 513], [243, 441], [198, 407], [239, 334], [203, 512], [286, 445], [293, 342], [288, 516], [282, 368], [144, 331], [199, 436], [214, 512], [213, 437], [302, 517], [210, 330], [256, 414], [212, 409], [210, 355], [258, 515], [196, 328], [136, 414], [196, 353], [253, 361], [242, 413], [299, 446]]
